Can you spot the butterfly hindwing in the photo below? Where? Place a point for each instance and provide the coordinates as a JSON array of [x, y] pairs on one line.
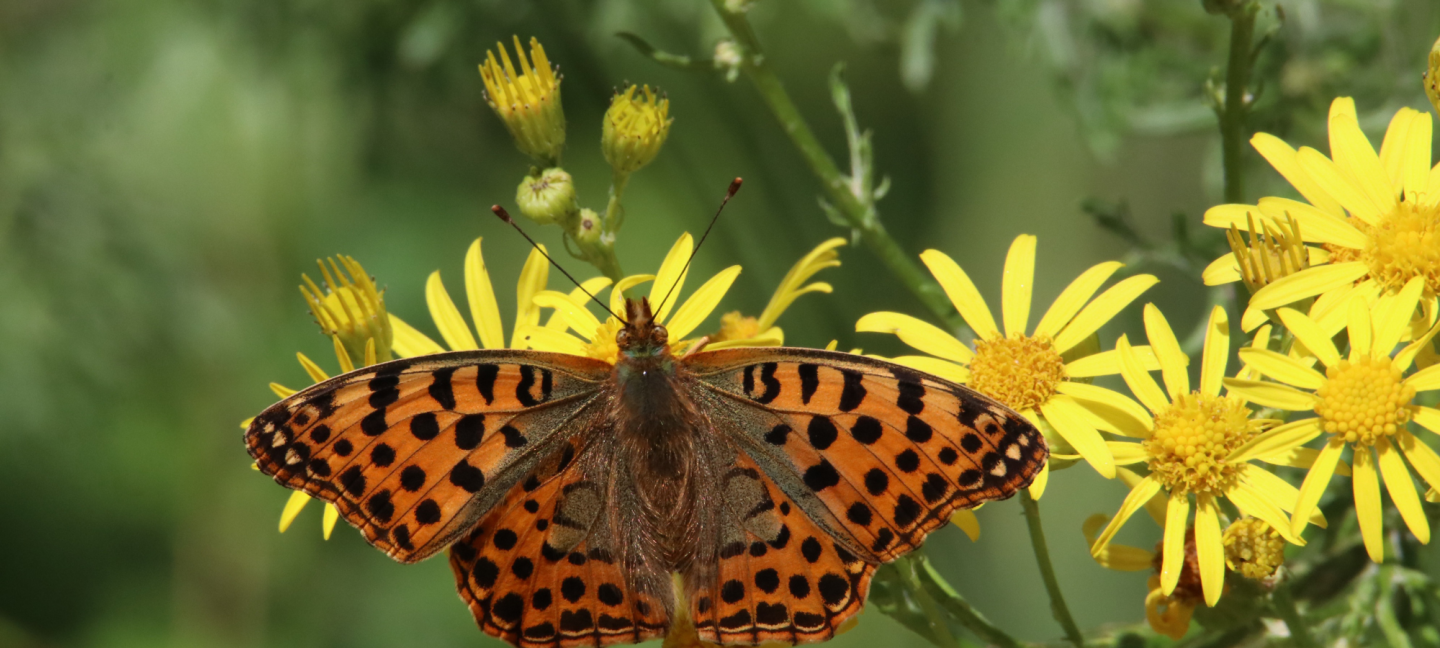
[[888, 452], [412, 452]]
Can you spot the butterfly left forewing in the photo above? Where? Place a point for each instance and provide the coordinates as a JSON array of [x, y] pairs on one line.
[[412, 452], [887, 452]]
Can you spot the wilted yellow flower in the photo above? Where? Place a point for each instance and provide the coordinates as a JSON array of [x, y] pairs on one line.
[[634, 130], [1364, 401], [1028, 372], [1377, 216], [528, 102], [1253, 548]]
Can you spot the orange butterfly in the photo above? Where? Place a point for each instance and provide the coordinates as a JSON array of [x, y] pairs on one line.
[[773, 481]]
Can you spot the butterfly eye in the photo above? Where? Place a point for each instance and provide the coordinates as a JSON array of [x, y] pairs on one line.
[[660, 336], [622, 337]]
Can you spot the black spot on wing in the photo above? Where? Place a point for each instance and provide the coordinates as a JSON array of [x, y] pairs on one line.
[[441, 389], [853, 393], [485, 376], [809, 381]]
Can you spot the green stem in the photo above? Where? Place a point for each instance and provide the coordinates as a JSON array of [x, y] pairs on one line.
[[1232, 114], [1284, 604], [939, 625], [1395, 635], [1047, 570], [960, 609], [857, 214]]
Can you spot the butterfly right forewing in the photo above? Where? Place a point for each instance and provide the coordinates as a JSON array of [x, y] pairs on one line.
[[413, 452]]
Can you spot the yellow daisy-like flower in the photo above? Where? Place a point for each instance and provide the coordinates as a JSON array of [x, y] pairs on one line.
[[527, 332], [1028, 372], [597, 339], [1198, 443], [737, 329], [528, 102], [1377, 217], [1363, 400]]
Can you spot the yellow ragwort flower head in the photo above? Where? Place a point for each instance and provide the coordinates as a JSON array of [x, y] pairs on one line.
[[547, 196], [1026, 368], [1199, 443], [528, 101], [738, 329], [1253, 549], [1274, 252], [1376, 216], [635, 129], [1363, 401], [350, 309]]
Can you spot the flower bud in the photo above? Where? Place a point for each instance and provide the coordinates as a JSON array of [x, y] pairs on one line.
[[351, 310], [587, 227], [634, 130], [1274, 251], [547, 196], [1253, 549], [1432, 76], [528, 102]]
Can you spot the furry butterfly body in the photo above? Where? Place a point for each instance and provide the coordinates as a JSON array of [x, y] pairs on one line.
[[773, 481]]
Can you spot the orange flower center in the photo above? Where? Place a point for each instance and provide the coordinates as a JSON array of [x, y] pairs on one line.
[[1019, 371], [1364, 400], [1193, 436]]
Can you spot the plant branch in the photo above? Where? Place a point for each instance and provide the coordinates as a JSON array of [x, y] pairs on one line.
[[1047, 570], [856, 212], [909, 575], [959, 608], [1237, 102]]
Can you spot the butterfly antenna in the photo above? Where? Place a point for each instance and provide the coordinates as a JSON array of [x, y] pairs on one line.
[[734, 187], [505, 216]]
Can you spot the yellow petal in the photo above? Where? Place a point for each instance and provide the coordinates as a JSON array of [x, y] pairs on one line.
[[1307, 283], [1107, 363], [1277, 440], [574, 316], [1277, 491], [1368, 511], [580, 295], [1392, 315], [332, 515], [1241, 216], [1073, 298], [1422, 457], [1017, 285], [1140, 382], [792, 286], [1061, 412], [1124, 413], [1330, 308], [1416, 163], [1116, 556], [346, 364], [1138, 496], [1284, 158], [1209, 548], [1155, 505], [281, 391], [1316, 225], [409, 342], [1271, 394], [1172, 360], [700, 304], [1282, 368], [1257, 503], [1402, 490], [617, 293], [1315, 483], [293, 506], [1037, 487], [1424, 380], [1302, 458], [1407, 355], [484, 310], [533, 277], [1217, 352], [1223, 270], [1098, 312], [1177, 517], [313, 370], [544, 339], [670, 279], [918, 334], [962, 293], [447, 318], [966, 520], [1353, 154], [1357, 318], [1308, 332], [1392, 149], [944, 369], [1338, 184], [1127, 453]]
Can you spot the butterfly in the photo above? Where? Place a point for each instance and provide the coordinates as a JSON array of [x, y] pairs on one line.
[[754, 490]]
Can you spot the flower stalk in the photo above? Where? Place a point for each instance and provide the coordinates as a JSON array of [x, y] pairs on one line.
[[1058, 607], [1236, 105]]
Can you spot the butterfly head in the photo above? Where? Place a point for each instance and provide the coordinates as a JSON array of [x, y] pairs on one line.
[[642, 336]]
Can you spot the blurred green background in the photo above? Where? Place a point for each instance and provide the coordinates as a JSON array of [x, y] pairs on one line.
[[169, 168]]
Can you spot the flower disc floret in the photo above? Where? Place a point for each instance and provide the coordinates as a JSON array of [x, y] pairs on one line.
[[1192, 437], [1364, 400], [602, 346], [1406, 244], [1021, 371], [1253, 548]]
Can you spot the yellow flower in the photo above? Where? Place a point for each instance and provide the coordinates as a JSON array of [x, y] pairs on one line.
[[1199, 443], [634, 130], [1253, 549], [1376, 216], [597, 339], [1363, 400], [1028, 372], [528, 102], [485, 311], [737, 329]]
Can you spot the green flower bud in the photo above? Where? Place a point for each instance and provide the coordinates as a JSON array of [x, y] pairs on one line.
[[634, 130], [1432, 76], [527, 101], [547, 196], [587, 228]]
